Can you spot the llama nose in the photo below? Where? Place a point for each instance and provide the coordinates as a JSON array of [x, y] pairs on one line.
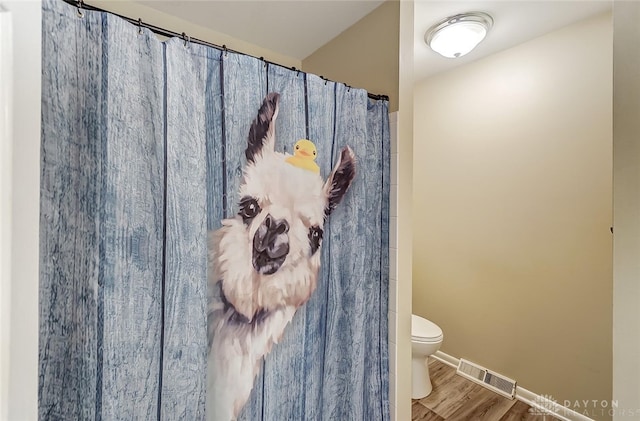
[[272, 238]]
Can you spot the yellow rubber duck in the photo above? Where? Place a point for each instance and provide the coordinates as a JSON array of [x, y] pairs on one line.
[[304, 153]]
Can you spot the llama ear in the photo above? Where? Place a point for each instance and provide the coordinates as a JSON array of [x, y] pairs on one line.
[[339, 180], [263, 127]]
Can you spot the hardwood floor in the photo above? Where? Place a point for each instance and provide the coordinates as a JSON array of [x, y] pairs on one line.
[[455, 398]]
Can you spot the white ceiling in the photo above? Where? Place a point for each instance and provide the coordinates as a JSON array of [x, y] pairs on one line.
[[297, 28], [515, 21]]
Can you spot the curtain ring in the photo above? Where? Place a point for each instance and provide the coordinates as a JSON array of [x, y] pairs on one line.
[[79, 8], [139, 26]]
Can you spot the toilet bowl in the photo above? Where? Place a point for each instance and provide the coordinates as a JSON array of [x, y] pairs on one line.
[[426, 338]]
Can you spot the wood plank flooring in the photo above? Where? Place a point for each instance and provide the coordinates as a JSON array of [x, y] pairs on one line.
[[455, 398]]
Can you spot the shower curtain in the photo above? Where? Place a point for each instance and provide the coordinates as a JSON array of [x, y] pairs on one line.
[[142, 154]]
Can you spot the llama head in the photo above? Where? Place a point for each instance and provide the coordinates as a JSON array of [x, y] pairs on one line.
[[268, 255]]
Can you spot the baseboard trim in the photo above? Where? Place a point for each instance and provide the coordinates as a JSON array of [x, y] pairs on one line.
[[541, 402], [446, 358]]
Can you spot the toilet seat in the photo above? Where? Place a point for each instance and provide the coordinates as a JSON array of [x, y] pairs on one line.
[[424, 331]]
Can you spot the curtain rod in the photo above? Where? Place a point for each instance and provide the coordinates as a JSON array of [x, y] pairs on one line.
[[81, 5]]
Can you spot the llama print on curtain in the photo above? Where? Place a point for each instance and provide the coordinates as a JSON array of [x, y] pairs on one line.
[[143, 157], [265, 261]]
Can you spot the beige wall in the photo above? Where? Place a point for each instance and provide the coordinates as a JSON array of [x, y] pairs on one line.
[[365, 55], [405, 212], [626, 208], [512, 182], [19, 340]]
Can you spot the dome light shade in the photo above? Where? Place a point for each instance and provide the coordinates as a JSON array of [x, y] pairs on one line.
[[457, 35]]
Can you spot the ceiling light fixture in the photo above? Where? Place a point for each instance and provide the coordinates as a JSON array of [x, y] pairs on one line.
[[457, 35]]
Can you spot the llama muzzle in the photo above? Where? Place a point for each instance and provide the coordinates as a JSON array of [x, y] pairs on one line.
[[270, 245]]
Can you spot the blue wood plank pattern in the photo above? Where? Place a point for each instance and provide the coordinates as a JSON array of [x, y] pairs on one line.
[[290, 124], [244, 87], [346, 343], [377, 286], [321, 100], [131, 228], [69, 213], [284, 366], [215, 142], [113, 269], [185, 338]]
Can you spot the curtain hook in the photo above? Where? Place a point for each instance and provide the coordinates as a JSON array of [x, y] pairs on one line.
[[224, 48], [263, 62], [79, 8], [139, 26], [325, 80], [186, 38]]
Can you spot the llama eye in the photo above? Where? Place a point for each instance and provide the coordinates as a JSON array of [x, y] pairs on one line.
[[315, 238], [249, 208]]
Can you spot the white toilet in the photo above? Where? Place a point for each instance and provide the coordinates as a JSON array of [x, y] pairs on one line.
[[426, 338]]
